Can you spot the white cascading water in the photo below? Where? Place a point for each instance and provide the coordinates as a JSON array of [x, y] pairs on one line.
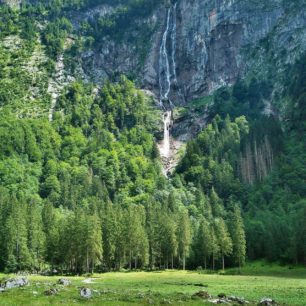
[[166, 74], [164, 67], [173, 38], [165, 148]]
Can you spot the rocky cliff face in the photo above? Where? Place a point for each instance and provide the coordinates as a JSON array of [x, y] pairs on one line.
[[211, 37], [214, 43]]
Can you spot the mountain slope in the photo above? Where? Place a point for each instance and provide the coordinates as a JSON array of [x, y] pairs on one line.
[[82, 181]]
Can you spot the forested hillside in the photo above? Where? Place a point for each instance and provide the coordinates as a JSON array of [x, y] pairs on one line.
[[81, 176], [265, 170]]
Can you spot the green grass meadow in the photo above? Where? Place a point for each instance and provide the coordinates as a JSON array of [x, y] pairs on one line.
[[284, 284]]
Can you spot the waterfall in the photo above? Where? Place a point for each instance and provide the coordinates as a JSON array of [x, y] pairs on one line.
[[173, 39], [165, 148], [167, 73], [164, 67]]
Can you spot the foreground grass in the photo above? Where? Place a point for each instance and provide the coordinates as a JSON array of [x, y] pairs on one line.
[[175, 287]]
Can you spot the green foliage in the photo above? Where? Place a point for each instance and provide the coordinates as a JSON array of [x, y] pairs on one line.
[[211, 159], [275, 209], [55, 36], [242, 99]]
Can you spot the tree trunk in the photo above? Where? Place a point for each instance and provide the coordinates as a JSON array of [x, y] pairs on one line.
[[130, 264], [223, 266], [184, 262], [160, 262], [213, 262], [87, 261], [205, 263], [172, 262]]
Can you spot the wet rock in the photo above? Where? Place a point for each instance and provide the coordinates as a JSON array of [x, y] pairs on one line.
[[64, 282], [238, 300], [14, 283], [202, 295], [51, 292], [267, 302], [85, 293], [219, 301]]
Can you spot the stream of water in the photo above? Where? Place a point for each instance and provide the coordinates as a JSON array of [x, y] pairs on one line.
[[167, 73]]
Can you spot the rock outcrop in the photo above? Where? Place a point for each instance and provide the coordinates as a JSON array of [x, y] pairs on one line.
[[14, 283], [86, 293], [213, 43], [64, 282]]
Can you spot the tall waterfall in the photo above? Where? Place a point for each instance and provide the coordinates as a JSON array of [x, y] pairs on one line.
[[167, 75], [173, 39], [164, 66]]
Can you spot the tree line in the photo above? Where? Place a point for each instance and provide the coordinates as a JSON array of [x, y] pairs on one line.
[[104, 236]]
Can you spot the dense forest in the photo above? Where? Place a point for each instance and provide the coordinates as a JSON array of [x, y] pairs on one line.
[[85, 191]]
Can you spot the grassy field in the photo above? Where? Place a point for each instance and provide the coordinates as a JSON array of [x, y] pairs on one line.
[[287, 286]]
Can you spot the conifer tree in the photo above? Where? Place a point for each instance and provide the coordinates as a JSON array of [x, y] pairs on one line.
[[204, 241], [168, 239], [215, 247], [224, 240], [93, 242], [238, 236], [16, 240], [36, 235], [109, 234], [216, 204], [51, 225], [136, 236], [184, 236]]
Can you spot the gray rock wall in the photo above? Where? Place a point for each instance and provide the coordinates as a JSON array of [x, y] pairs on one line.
[[214, 41]]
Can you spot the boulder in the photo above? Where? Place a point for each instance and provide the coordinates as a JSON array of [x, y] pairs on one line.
[[85, 293], [50, 292], [238, 300], [219, 301], [14, 283], [267, 302], [64, 282]]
